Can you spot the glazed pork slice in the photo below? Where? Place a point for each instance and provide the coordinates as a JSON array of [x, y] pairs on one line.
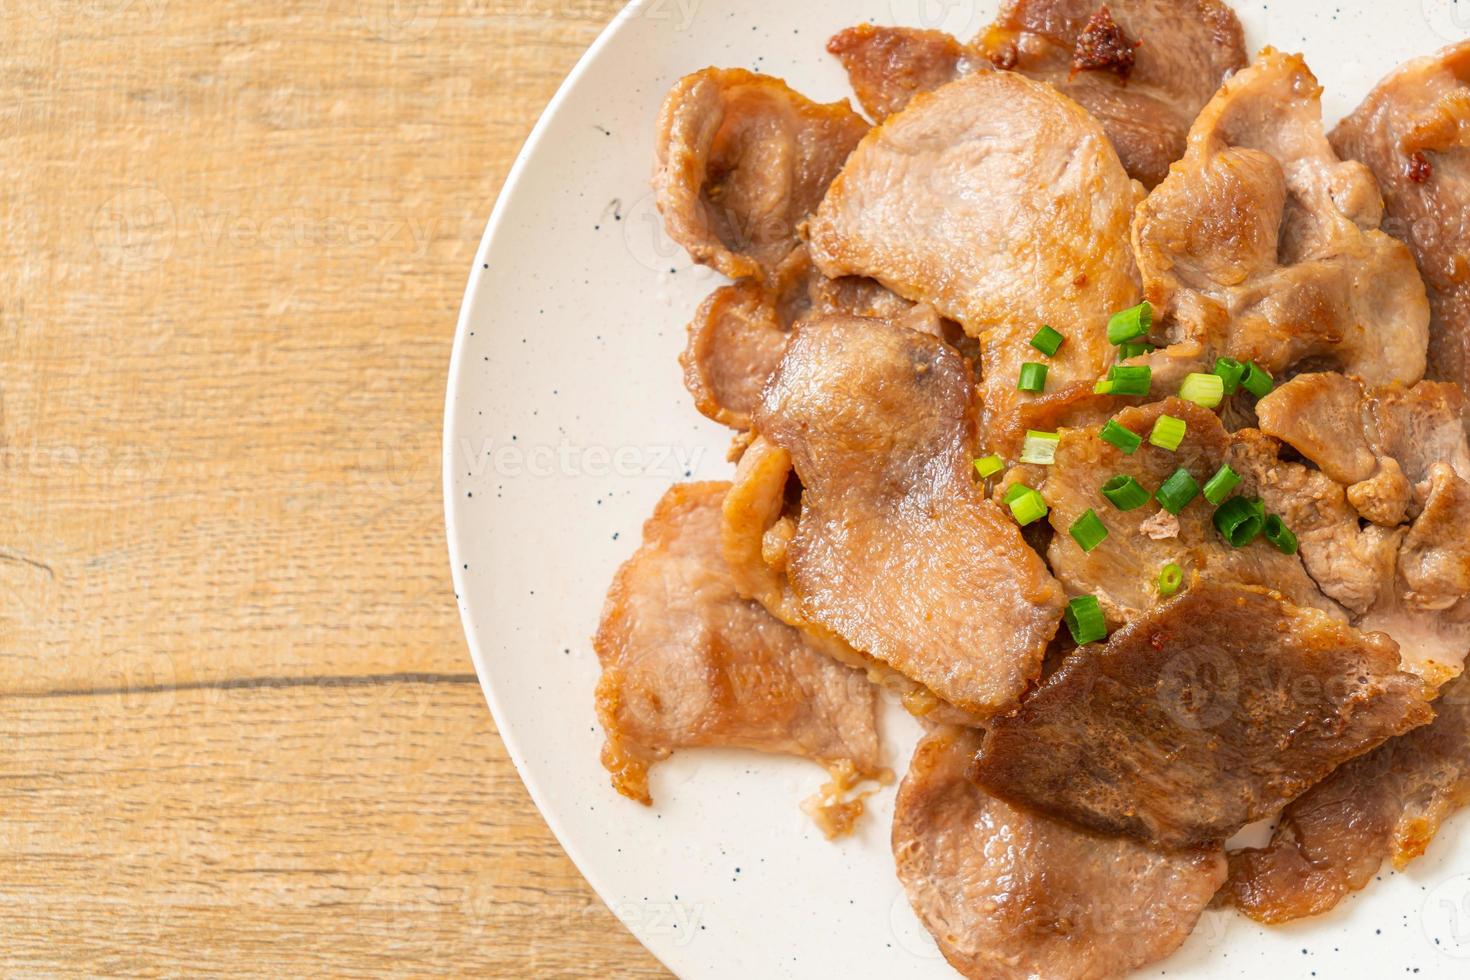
[[999, 203], [1123, 571], [1263, 246], [1210, 712], [687, 662], [1144, 68], [1009, 894], [888, 66], [736, 340], [1382, 442], [1384, 582], [895, 548], [1389, 803], [1413, 132], [741, 161]]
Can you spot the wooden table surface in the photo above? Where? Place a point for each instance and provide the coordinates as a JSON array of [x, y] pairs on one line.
[[242, 729]]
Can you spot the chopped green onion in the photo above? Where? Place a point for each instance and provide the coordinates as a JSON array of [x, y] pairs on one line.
[[1168, 432], [1129, 351], [1239, 521], [1028, 507], [1177, 491], [1256, 380], [1125, 492], [989, 466], [1085, 620], [1130, 324], [1033, 377], [1170, 579], [1048, 341], [1040, 447], [1221, 485], [1015, 492], [1230, 371], [1205, 390], [1088, 530], [1126, 380], [1280, 535], [1124, 438]]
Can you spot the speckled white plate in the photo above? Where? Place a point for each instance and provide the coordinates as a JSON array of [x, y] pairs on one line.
[[566, 419]]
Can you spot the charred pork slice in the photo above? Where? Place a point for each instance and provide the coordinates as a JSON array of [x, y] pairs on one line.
[[741, 161], [1208, 713], [1389, 803], [1009, 894], [687, 662], [1412, 132], [1263, 246], [1144, 68], [896, 549], [999, 203], [1123, 570]]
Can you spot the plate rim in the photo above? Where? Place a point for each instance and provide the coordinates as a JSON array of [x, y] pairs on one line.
[[493, 229]]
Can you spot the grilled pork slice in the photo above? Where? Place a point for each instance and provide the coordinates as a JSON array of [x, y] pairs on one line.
[[895, 548], [736, 340], [741, 161], [1123, 571], [687, 662], [1412, 132], [1262, 245], [1144, 68], [1010, 894], [999, 203], [1210, 712], [1389, 803], [1382, 442]]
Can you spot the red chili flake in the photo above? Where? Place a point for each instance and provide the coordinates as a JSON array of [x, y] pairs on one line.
[[1420, 169], [1102, 46]]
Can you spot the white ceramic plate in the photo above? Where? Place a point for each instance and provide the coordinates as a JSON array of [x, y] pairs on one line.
[[567, 419]]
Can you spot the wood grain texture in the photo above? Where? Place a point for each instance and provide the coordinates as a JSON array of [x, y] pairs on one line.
[[241, 730]]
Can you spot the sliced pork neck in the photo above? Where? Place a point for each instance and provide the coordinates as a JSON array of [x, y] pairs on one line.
[[1207, 713], [741, 161], [687, 662], [1387, 804], [1263, 246], [1010, 894], [895, 548], [1413, 132], [999, 203]]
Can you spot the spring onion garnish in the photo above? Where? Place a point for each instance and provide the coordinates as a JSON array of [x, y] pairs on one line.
[[1085, 620], [1205, 390], [1130, 351], [989, 466], [1177, 491], [1221, 485], [1015, 492], [1168, 432], [1170, 579], [1124, 438], [1280, 535], [1125, 493], [1028, 507], [1130, 324], [1088, 530], [1048, 341], [1256, 380], [1033, 377], [1040, 447], [1239, 521], [1230, 371], [1126, 380]]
